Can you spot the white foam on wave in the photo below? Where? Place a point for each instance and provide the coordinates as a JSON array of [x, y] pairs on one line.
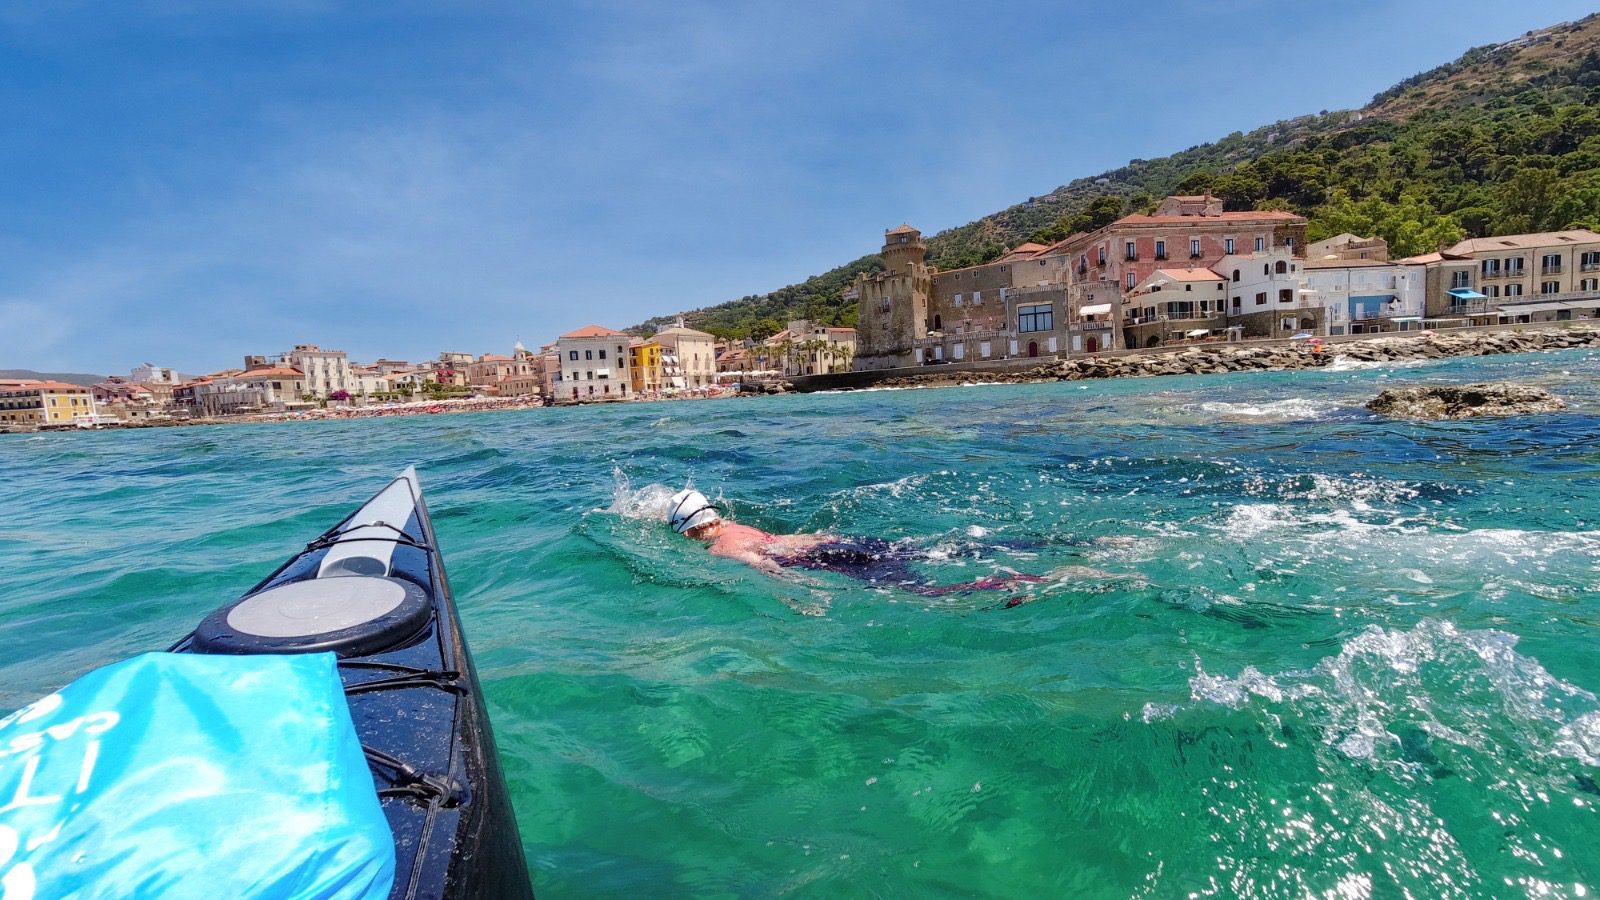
[[1290, 409], [1347, 364], [1470, 688], [648, 503], [1250, 520]]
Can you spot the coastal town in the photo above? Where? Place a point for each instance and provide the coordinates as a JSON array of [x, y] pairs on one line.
[[1190, 273]]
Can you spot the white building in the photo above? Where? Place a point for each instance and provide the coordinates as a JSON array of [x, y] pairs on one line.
[[326, 371], [368, 380], [1269, 287], [693, 353], [148, 374], [594, 365], [1363, 296]]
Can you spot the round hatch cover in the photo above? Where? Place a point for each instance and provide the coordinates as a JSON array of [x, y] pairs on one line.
[[352, 615]]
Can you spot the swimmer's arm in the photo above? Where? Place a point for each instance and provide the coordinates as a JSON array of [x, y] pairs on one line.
[[750, 558], [797, 543]]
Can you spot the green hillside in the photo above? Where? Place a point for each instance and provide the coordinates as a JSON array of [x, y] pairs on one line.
[[1505, 139]]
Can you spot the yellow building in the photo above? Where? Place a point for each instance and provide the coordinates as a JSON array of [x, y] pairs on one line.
[[45, 402], [644, 359]]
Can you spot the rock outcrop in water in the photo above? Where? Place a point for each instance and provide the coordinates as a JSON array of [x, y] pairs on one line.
[[1208, 359], [1463, 401]]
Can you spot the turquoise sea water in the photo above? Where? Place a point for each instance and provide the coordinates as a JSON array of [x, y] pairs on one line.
[[1288, 648]]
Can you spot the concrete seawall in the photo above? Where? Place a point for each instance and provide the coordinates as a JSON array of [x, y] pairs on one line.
[[1226, 357]]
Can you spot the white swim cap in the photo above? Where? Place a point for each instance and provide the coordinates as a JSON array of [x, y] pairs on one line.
[[690, 509]]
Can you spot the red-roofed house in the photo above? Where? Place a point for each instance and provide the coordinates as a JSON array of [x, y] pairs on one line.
[[594, 365], [36, 402]]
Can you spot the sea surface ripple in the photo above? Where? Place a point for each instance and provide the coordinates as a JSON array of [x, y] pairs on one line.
[[1286, 648]]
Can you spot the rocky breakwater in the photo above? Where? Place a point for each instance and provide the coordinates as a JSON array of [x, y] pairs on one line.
[[1464, 401], [1212, 359]]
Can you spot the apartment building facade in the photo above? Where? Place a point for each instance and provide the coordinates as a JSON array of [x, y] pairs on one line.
[[36, 402], [692, 353], [593, 366], [325, 372]]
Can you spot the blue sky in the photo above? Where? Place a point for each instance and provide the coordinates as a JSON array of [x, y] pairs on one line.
[[188, 181]]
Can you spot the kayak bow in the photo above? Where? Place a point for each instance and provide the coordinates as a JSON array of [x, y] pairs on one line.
[[372, 589]]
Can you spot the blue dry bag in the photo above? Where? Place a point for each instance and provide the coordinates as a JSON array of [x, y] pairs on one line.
[[190, 776]]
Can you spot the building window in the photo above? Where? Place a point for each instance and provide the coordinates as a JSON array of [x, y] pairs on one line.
[[1036, 318], [1227, 246], [1281, 267], [1285, 295], [1194, 248], [958, 300], [1551, 264], [574, 355], [1491, 268], [1102, 255], [1289, 242], [1132, 282], [1550, 287], [588, 354], [602, 353], [1261, 244], [1492, 290], [1513, 266], [1235, 302], [1513, 290], [1161, 249], [1133, 251], [1261, 299], [1590, 260], [977, 298], [1460, 279]]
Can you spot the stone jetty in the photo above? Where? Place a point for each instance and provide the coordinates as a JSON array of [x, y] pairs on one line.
[[1211, 359]]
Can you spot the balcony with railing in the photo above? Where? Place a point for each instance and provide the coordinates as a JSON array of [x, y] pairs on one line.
[[1550, 270], [939, 339]]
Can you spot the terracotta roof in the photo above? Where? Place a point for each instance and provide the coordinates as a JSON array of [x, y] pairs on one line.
[[903, 229], [270, 371], [842, 330], [1024, 251], [1426, 258], [32, 385], [1237, 218], [589, 331], [1525, 241], [1188, 274], [493, 357]]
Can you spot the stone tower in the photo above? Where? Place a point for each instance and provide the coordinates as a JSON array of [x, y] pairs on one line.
[[893, 304]]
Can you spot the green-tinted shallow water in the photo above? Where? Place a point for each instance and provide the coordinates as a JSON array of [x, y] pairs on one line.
[[1290, 648]]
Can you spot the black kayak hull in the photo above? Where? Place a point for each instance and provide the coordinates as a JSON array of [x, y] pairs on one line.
[[373, 590]]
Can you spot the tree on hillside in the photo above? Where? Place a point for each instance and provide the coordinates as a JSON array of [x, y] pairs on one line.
[[1528, 202], [764, 329], [1411, 226]]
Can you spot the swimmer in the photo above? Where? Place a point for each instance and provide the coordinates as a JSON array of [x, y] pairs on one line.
[[872, 560]]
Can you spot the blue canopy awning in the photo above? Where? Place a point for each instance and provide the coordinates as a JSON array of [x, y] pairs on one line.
[[1467, 294]]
